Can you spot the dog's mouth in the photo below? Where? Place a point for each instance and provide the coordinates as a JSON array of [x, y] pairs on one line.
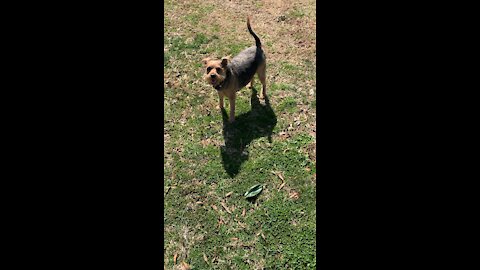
[[213, 81]]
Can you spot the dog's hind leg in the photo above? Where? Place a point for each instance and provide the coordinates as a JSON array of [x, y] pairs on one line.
[[250, 84], [261, 71]]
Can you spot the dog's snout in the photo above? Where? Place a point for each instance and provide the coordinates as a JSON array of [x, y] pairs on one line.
[[213, 75]]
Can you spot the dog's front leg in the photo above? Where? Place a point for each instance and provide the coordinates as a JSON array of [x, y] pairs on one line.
[[220, 101]]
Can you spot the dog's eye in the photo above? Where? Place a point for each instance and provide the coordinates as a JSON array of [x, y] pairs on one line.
[[218, 70], [208, 69]]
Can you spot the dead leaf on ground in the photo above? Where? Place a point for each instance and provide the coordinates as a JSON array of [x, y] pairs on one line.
[[281, 186], [228, 194], [215, 207], [205, 258], [205, 142], [175, 258], [226, 208], [294, 195], [279, 175], [185, 266], [244, 212]]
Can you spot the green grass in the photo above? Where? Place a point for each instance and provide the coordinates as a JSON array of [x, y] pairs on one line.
[[207, 158], [296, 13], [289, 104], [238, 47]]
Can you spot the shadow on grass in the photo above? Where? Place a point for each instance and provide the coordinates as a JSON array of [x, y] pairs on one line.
[[256, 123], [253, 200]]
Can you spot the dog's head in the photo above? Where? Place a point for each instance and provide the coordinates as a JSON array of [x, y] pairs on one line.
[[216, 70]]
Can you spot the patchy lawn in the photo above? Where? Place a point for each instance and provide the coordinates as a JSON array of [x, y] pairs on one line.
[[209, 164]]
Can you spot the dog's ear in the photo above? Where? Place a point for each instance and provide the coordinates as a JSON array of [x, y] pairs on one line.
[[205, 60], [225, 60]]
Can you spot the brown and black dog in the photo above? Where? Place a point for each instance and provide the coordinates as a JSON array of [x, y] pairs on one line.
[[229, 76]]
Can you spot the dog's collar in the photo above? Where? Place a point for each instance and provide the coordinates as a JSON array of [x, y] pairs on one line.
[[219, 87], [224, 82]]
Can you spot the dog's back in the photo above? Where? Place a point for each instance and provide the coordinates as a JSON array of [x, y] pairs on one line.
[[246, 63]]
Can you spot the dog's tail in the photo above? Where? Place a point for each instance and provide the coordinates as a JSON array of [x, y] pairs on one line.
[[257, 40]]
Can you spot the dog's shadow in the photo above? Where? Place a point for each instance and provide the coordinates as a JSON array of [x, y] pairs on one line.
[[256, 123]]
